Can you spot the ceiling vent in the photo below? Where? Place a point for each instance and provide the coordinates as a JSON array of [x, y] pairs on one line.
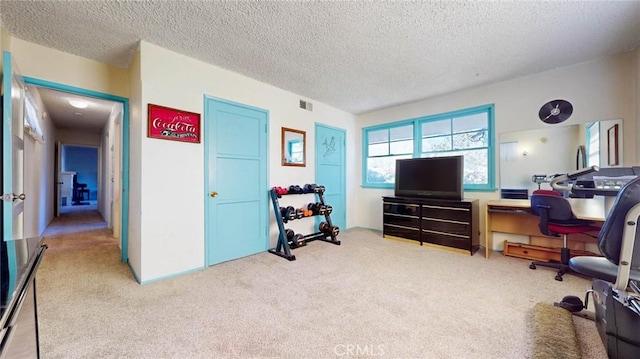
[[306, 105]]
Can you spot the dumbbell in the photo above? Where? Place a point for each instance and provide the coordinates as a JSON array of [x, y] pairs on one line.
[[333, 231], [284, 214], [289, 233], [330, 230], [318, 189], [280, 191], [288, 213], [295, 189], [317, 208], [328, 209], [299, 213], [309, 188], [296, 241]]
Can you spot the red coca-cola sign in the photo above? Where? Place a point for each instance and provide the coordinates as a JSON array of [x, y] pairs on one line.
[[171, 124]]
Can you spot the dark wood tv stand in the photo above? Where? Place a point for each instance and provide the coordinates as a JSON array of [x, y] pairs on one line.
[[448, 224]]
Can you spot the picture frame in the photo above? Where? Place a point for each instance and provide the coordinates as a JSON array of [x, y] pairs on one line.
[[612, 146], [172, 124]]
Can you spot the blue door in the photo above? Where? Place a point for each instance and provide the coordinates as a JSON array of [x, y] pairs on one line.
[[236, 206], [13, 196], [330, 170]]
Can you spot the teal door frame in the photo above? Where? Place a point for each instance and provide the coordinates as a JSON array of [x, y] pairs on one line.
[[124, 234]]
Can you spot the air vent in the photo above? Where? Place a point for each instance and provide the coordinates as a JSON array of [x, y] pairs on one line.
[[306, 105]]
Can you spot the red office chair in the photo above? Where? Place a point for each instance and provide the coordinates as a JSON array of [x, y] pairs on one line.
[[556, 218]]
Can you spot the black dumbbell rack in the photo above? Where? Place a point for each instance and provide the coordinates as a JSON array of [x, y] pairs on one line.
[[283, 249]]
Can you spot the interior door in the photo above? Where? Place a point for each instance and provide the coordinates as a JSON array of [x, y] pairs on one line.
[[330, 170], [13, 93], [236, 204]]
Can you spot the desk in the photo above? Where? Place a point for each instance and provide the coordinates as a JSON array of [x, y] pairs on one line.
[[514, 216]]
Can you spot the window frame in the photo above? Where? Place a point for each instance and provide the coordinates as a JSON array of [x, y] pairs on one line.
[[417, 142]]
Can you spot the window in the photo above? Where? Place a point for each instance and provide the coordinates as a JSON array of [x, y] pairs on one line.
[[296, 150], [593, 144], [466, 132], [383, 147], [31, 123]]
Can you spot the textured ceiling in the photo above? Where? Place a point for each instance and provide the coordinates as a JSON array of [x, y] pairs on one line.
[[354, 55]]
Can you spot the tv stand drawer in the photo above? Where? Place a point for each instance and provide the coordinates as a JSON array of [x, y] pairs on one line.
[[450, 223], [460, 213], [401, 231]]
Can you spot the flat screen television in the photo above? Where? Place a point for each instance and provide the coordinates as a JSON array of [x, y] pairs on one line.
[[433, 177]]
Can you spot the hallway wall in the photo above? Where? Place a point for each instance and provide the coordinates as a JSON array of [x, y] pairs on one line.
[[39, 176]]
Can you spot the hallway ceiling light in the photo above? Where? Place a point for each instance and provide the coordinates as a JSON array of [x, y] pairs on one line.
[[78, 103]]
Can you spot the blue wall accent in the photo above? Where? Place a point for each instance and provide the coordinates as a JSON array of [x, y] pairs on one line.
[[83, 161]]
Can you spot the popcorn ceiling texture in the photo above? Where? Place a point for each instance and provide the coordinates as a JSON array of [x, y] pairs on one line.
[[357, 56]]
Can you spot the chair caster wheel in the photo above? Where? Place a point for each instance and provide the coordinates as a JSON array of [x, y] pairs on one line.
[[559, 278], [532, 266]]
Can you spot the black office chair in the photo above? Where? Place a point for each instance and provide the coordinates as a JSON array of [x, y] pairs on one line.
[[79, 190], [615, 276], [557, 218]]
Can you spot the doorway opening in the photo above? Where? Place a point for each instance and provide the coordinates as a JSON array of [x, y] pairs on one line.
[[78, 178], [91, 159]]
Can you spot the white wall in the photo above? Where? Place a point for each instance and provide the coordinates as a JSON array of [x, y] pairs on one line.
[[57, 66], [599, 90], [107, 171], [134, 245], [636, 68], [72, 137], [172, 230], [38, 176]]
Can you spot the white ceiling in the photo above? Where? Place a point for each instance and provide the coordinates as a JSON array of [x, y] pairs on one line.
[[358, 56], [91, 119]]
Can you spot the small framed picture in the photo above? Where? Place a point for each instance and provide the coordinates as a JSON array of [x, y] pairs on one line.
[[171, 124]]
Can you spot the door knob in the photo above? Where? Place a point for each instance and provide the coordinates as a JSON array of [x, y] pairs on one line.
[[213, 194]]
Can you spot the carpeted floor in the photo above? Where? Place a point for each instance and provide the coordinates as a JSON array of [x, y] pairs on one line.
[[369, 297]]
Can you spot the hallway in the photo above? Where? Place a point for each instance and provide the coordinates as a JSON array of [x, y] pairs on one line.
[[78, 227]]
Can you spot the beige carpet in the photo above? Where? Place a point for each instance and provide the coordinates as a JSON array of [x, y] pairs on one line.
[[369, 297]]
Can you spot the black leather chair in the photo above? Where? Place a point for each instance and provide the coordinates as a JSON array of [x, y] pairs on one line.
[[616, 275], [557, 218]]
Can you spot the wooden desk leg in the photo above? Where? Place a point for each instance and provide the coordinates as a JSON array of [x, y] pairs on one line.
[[488, 234]]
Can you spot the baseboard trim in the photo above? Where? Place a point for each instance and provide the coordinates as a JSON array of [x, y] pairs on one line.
[[197, 269]]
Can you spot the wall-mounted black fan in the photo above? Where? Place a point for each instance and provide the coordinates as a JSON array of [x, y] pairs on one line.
[[555, 111]]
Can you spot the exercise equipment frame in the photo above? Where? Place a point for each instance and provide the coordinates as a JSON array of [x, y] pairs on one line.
[[282, 248]]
